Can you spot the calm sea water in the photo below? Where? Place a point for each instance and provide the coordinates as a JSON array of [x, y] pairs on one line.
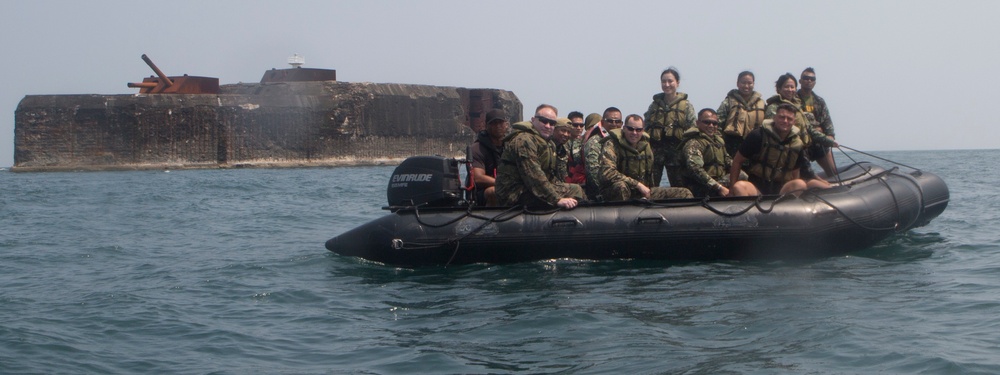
[[224, 271]]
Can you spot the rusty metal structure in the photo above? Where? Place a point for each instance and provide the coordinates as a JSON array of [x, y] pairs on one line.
[[161, 84]]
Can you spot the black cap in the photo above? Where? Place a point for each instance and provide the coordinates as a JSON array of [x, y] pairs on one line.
[[495, 114]]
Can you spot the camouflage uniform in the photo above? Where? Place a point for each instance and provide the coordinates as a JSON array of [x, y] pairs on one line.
[[562, 162], [562, 150], [737, 117], [623, 167], [592, 159], [576, 172], [706, 163], [665, 124], [574, 146], [815, 104], [527, 171]]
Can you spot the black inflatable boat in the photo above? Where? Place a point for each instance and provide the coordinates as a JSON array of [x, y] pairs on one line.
[[431, 224]]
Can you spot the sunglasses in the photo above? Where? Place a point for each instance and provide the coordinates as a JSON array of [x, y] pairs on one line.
[[616, 122], [716, 123], [632, 128], [546, 121], [578, 125], [807, 78]]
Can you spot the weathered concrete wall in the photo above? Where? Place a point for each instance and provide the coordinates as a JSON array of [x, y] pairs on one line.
[[273, 124]]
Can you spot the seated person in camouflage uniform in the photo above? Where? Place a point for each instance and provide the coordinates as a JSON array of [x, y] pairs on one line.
[[612, 119], [706, 160], [528, 168], [561, 136], [627, 165], [577, 173], [775, 154]]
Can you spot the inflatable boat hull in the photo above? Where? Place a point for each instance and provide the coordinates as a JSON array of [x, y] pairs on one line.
[[869, 204]]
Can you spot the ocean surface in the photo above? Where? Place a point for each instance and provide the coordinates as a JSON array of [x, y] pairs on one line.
[[224, 272]]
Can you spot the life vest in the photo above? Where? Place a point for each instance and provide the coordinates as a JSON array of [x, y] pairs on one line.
[[777, 159], [744, 115], [713, 152], [634, 162], [667, 120], [801, 122]]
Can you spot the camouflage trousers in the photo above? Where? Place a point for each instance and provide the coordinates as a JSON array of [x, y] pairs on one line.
[[664, 157], [620, 191], [564, 190]]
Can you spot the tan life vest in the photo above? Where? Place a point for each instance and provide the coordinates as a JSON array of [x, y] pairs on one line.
[[744, 117], [778, 159], [667, 120], [715, 158], [635, 162]]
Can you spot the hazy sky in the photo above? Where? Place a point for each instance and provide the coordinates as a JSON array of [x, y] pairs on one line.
[[897, 75]]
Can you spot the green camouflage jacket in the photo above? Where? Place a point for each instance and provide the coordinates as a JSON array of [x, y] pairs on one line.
[[592, 159], [528, 166], [622, 162], [706, 160], [817, 106]]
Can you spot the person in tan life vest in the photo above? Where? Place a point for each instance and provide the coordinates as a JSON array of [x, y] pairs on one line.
[[812, 137], [706, 161], [740, 112], [627, 165], [775, 154], [667, 118]]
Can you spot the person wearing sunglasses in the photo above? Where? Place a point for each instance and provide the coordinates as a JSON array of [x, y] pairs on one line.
[[706, 160], [740, 112], [527, 174], [576, 119], [668, 117], [576, 173], [812, 103], [612, 119], [627, 166]]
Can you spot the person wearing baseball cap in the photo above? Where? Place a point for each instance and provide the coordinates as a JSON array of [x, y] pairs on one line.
[[485, 154]]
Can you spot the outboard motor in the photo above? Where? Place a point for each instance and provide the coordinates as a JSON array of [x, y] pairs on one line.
[[433, 180]]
